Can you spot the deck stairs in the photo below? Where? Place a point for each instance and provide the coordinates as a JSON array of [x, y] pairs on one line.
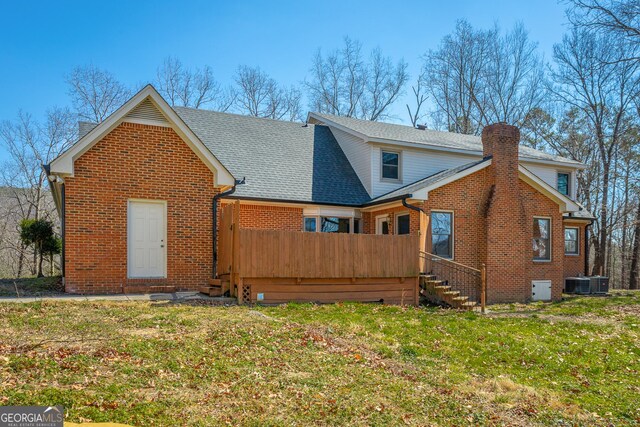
[[442, 293], [216, 287]]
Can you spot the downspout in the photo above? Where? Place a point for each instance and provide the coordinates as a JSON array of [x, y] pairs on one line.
[[62, 210], [214, 226], [62, 230], [586, 248], [413, 208]]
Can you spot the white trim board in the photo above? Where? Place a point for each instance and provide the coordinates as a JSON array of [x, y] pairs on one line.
[[64, 164]]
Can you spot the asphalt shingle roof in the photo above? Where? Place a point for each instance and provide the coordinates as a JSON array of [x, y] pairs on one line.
[[430, 180], [395, 132], [280, 160]]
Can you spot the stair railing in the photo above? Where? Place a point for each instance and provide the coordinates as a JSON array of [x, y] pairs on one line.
[[469, 281]]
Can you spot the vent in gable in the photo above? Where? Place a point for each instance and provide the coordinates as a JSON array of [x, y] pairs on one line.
[[146, 113]]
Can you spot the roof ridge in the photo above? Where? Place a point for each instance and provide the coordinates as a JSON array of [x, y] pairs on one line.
[[226, 113], [403, 125]]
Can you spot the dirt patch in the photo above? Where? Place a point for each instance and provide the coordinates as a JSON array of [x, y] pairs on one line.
[[627, 310]]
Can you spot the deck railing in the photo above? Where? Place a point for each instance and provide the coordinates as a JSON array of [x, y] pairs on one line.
[[469, 281]]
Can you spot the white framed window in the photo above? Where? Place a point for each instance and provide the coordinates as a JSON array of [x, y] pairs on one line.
[[329, 224], [403, 223], [334, 224], [382, 224], [571, 241], [310, 224], [541, 239], [442, 233], [390, 165], [564, 183]]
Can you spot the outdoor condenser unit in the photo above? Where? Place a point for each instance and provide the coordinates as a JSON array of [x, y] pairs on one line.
[[599, 284], [577, 285]]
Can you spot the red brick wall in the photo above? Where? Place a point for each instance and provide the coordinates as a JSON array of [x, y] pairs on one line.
[[574, 264], [146, 162], [467, 198], [271, 217], [536, 204], [369, 219]]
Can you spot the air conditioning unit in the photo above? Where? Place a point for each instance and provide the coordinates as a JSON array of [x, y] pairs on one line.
[[577, 285], [599, 284]]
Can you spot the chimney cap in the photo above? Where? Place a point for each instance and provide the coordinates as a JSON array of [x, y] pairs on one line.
[[421, 127], [502, 128]]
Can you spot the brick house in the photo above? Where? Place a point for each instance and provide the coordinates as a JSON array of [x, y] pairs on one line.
[[139, 192]]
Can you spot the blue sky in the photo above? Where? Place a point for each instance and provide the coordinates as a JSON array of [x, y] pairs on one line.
[[40, 42]]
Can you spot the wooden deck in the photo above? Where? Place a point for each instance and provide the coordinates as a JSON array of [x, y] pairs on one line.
[[271, 267]]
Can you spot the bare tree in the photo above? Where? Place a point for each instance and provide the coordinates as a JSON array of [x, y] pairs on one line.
[[477, 77], [259, 95], [30, 145], [589, 77], [420, 97], [197, 88], [620, 17], [344, 84], [454, 75], [95, 93], [634, 274], [513, 80]]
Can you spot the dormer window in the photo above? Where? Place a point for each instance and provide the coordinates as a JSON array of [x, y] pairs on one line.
[[564, 180], [390, 165]]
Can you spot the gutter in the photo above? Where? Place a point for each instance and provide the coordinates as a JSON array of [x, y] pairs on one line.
[[408, 206], [267, 199], [346, 205], [60, 205], [214, 226]]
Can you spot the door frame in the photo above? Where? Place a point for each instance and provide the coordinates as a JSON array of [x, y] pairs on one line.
[[129, 227]]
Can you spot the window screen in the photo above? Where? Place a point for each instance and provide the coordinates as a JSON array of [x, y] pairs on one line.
[[442, 234]]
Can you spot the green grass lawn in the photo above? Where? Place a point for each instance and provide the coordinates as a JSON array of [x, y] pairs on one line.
[[571, 363]]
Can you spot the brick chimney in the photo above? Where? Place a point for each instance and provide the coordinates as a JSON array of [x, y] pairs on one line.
[[507, 244]]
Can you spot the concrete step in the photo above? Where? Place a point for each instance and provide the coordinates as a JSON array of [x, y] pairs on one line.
[[212, 291]]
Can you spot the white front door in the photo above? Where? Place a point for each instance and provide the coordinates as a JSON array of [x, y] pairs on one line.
[[146, 235]]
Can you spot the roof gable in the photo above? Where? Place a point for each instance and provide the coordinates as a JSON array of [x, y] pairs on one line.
[[146, 107], [565, 203], [419, 190]]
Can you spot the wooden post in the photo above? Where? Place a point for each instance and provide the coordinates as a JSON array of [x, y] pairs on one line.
[[483, 287], [240, 293], [235, 249], [424, 223]]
